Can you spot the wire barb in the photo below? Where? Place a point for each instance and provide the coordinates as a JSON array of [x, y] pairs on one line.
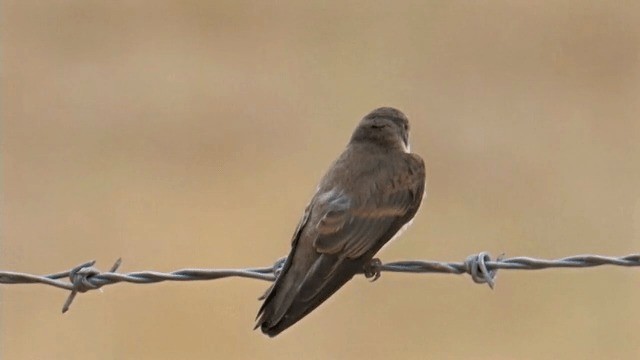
[[480, 267], [79, 277]]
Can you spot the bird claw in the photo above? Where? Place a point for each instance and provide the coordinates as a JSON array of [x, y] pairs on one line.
[[372, 269]]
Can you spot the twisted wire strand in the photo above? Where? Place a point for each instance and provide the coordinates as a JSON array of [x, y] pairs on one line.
[[480, 267]]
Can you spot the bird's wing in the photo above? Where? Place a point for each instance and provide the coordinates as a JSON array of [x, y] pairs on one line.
[[351, 228], [353, 231]]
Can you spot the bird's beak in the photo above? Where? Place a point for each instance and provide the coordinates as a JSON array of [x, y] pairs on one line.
[[405, 140]]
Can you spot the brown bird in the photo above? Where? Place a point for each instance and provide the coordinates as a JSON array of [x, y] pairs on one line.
[[369, 194]]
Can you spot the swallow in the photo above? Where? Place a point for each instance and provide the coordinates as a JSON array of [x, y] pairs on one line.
[[369, 195]]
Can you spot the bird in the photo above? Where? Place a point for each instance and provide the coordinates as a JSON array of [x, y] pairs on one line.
[[368, 196]]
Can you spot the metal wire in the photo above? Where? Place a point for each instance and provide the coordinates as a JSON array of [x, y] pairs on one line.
[[480, 267]]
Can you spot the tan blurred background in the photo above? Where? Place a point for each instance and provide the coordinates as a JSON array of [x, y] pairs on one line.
[[192, 133]]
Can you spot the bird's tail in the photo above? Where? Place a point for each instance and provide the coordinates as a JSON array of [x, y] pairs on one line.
[[296, 294]]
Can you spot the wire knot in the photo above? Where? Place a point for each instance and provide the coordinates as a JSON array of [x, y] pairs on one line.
[[80, 277], [476, 266]]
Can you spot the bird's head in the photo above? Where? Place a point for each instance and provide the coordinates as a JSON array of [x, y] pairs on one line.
[[385, 126]]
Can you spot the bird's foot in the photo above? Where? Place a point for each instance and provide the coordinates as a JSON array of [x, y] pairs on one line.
[[372, 269]]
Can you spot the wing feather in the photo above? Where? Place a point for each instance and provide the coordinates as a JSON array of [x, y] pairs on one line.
[[361, 226]]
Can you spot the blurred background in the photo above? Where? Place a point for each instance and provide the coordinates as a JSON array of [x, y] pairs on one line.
[[181, 134]]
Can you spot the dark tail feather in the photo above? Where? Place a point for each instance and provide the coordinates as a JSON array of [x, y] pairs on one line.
[[291, 298]]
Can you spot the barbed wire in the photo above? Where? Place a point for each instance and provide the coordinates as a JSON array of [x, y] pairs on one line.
[[480, 267]]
